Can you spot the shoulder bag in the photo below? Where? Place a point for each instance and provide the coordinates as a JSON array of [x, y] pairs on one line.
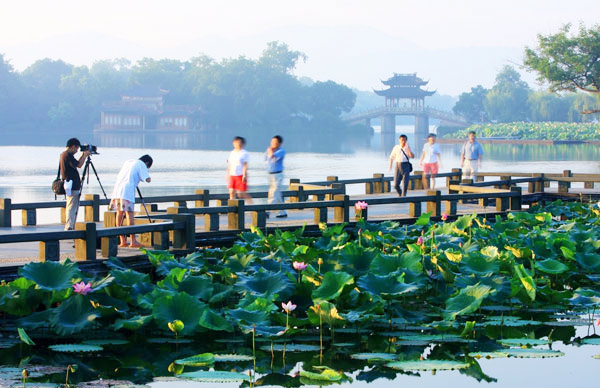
[[410, 167], [58, 185]]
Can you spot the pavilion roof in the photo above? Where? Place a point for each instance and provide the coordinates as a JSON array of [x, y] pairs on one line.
[[399, 92], [410, 79]]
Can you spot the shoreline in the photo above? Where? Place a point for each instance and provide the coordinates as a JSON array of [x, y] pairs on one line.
[[518, 141]]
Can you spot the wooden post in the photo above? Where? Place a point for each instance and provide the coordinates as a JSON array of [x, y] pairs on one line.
[[186, 238], [222, 202], [5, 212], [434, 205], [63, 215], [387, 186], [50, 250], [109, 246], [85, 249], [479, 178], [563, 187], [418, 180], [501, 204], [516, 202], [456, 174], [180, 204], [203, 200], [28, 217], [92, 212], [160, 240], [293, 182], [211, 222], [450, 208], [110, 219], [341, 214], [378, 184], [235, 219], [588, 185], [259, 218], [369, 188], [450, 183], [531, 185], [332, 178], [539, 186], [320, 215], [336, 186], [505, 186], [414, 209]]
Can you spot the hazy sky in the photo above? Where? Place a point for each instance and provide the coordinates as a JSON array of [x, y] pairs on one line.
[[456, 44]]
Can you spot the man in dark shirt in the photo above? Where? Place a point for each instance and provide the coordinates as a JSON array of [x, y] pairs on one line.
[[69, 173]]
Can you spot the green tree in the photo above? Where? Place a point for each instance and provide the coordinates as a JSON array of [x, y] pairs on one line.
[[278, 56], [568, 62], [471, 105], [508, 99], [12, 98]]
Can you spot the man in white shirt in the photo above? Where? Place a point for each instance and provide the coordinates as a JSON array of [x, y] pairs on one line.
[[399, 156], [237, 170], [431, 157], [122, 200]]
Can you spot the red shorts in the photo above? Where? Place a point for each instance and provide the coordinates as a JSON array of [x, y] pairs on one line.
[[236, 183], [430, 168]]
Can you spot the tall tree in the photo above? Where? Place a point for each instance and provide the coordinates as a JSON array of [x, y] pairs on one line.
[[508, 99], [568, 61], [11, 95], [471, 105]]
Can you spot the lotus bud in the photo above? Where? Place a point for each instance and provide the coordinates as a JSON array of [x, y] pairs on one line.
[[24, 373], [320, 261], [444, 217], [175, 368], [176, 326], [420, 241]]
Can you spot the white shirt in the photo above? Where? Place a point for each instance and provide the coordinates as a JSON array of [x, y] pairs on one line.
[[132, 173], [397, 155], [236, 162], [431, 152]]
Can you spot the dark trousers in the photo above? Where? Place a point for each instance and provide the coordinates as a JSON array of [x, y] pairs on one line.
[[402, 174]]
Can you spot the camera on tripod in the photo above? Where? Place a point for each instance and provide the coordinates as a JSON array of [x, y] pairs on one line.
[[91, 148]]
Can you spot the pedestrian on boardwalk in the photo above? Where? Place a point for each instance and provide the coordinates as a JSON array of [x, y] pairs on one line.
[[400, 155], [431, 157], [274, 157], [237, 170], [122, 200], [470, 157], [68, 166]]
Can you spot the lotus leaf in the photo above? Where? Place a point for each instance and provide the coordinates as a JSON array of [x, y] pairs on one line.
[[385, 286], [332, 286], [589, 261], [328, 312], [169, 340], [524, 341], [267, 284], [250, 317], [291, 348], [51, 275], [497, 354], [129, 277], [24, 337], [326, 375], [454, 257], [133, 323], [428, 365], [197, 360], [373, 357], [232, 358], [423, 219], [213, 321], [36, 320], [73, 315], [525, 280], [591, 341], [215, 376], [467, 301], [181, 307], [75, 348], [478, 264], [533, 353], [551, 266], [107, 341]]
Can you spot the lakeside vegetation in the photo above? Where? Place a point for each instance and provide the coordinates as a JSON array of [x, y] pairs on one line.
[[533, 131], [456, 283]]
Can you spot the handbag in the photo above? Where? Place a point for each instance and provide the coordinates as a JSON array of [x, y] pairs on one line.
[[58, 185], [410, 167]]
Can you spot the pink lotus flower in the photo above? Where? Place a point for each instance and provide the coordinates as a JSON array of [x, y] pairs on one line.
[[420, 241], [288, 307], [299, 265], [444, 217], [361, 205], [82, 288]]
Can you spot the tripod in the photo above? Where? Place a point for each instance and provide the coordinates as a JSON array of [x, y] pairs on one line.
[[86, 174]]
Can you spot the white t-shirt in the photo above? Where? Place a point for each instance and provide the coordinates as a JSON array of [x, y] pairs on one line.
[[236, 162], [397, 155], [132, 173], [431, 152]]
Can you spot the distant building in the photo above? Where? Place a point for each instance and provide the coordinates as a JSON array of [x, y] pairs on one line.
[[144, 109], [404, 87]]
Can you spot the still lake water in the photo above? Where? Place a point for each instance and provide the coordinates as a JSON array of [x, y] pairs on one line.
[[184, 163]]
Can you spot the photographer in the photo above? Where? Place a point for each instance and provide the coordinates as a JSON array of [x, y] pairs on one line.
[[69, 173], [123, 196]]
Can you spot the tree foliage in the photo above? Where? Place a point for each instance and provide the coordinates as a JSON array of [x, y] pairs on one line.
[[471, 105], [508, 99]]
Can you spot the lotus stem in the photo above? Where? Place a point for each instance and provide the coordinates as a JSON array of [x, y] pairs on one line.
[[287, 320], [320, 337], [254, 351]]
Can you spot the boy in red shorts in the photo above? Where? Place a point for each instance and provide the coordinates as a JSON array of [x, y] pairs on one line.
[[431, 157], [237, 170]]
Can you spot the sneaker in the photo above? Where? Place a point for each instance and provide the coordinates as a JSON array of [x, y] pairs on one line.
[[281, 215]]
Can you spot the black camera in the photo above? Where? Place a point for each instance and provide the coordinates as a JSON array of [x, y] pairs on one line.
[[91, 148]]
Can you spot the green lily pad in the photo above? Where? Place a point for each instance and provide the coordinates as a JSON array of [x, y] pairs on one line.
[[132, 323], [182, 307], [551, 266], [589, 261], [524, 341], [75, 348], [591, 341], [108, 341], [232, 358], [24, 337], [385, 286], [214, 376], [267, 283], [478, 264], [467, 301], [497, 354], [51, 275], [197, 360], [374, 357], [73, 315], [291, 348], [332, 286], [326, 375], [213, 321], [533, 353], [427, 365], [345, 344]]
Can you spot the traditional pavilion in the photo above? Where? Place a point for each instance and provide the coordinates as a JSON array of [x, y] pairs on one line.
[[404, 87], [144, 108]]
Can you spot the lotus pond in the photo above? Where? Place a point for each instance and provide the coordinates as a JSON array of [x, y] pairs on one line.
[[466, 301]]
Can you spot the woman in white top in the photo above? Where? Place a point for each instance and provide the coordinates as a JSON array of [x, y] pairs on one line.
[[431, 157], [400, 156]]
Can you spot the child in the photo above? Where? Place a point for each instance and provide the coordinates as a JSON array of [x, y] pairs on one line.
[[237, 170]]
